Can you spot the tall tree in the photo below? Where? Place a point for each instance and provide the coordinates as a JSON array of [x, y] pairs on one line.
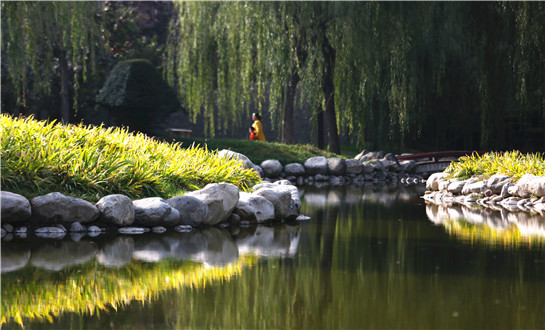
[[47, 41]]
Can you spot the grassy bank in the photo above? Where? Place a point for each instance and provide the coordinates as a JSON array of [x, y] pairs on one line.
[[513, 163], [260, 151], [39, 157]]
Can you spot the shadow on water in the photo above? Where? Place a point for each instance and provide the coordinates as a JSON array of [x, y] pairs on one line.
[[369, 258]]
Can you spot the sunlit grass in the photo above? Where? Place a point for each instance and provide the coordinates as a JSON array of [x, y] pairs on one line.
[[40, 157], [95, 288], [513, 163]]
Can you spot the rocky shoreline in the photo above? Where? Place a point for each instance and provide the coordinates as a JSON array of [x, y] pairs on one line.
[[366, 167], [497, 192], [219, 204]]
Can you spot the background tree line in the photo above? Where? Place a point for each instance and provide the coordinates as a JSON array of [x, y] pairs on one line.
[[421, 75]]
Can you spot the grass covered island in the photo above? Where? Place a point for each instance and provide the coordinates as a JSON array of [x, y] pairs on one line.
[[39, 157]]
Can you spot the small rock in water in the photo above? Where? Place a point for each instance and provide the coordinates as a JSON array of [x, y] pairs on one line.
[[8, 228], [183, 228], [158, 229], [50, 232], [94, 231], [131, 230], [77, 227], [223, 225], [302, 218], [21, 230]]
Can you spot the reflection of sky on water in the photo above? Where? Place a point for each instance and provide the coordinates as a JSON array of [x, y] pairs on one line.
[[210, 246]]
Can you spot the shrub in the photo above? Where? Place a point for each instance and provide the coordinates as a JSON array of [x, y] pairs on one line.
[[135, 94]]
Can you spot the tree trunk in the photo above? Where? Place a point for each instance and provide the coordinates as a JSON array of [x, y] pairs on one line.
[[289, 104], [66, 111], [328, 88], [321, 140]]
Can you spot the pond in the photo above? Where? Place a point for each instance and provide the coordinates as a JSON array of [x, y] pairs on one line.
[[370, 257]]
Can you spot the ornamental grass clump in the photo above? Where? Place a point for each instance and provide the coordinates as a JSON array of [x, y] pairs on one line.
[[512, 163], [90, 162]]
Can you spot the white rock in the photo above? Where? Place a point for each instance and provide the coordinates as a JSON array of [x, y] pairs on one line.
[[254, 208], [221, 199]]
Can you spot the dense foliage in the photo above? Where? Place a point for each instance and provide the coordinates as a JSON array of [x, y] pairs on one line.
[[424, 75], [136, 94], [432, 75], [39, 157], [514, 164]]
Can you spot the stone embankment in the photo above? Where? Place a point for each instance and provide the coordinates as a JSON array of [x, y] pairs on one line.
[[498, 192], [367, 167], [218, 204]]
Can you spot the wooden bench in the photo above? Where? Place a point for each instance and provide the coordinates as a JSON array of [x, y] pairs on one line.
[[183, 132]]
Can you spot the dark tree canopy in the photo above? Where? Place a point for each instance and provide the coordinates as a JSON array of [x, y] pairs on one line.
[[135, 93]]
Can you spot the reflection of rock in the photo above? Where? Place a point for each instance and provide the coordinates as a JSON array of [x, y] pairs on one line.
[[269, 241], [65, 254], [117, 253], [185, 246], [14, 258], [526, 223], [150, 249], [220, 248]]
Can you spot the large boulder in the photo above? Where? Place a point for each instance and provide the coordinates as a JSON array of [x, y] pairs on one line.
[[455, 186], [272, 168], [336, 166], [221, 199], [497, 181], [353, 166], [368, 167], [58, 207], [316, 165], [246, 162], [254, 208], [283, 186], [15, 208], [152, 211], [192, 210], [116, 209], [433, 181], [529, 185], [294, 169], [407, 166], [280, 199]]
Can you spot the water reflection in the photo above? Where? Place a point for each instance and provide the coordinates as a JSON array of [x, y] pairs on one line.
[[45, 279], [369, 258], [484, 225]]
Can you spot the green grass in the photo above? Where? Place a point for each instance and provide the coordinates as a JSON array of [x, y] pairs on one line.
[[39, 157], [260, 151], [512, 163]]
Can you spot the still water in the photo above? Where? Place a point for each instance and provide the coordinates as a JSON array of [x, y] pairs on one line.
[[370, 257]]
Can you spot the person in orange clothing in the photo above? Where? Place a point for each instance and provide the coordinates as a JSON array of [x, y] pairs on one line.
[[258, 128], [252, 134]]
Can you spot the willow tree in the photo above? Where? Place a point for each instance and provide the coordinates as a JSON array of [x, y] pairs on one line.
[[229, 56], [41, 38]]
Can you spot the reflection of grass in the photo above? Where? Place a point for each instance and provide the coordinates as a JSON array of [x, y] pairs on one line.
[[481, 233], [94, 288]]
